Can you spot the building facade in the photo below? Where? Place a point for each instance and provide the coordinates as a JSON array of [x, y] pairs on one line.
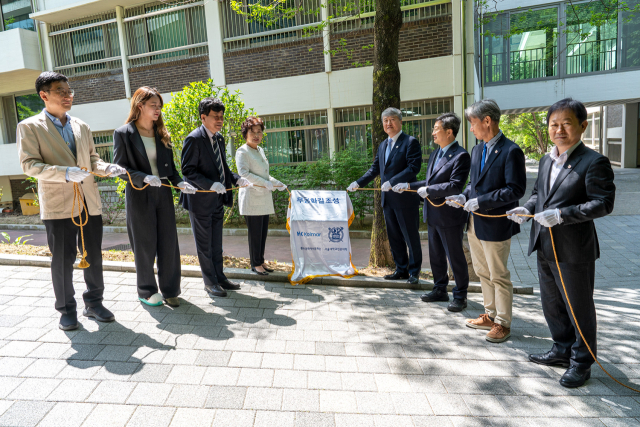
[[531, 53], [313, 102]]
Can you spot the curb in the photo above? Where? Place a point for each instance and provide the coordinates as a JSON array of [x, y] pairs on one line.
[[243, 274]]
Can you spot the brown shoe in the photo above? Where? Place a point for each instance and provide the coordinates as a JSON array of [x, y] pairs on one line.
[[498, 333], [482, 322], [172, 302]]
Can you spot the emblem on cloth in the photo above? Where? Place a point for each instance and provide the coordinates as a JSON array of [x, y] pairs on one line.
[[336, 234]]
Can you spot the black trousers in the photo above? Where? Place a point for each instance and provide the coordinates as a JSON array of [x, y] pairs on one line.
[[207, 232], [64, 242], [446, 243], [579, 280], [403, 231], [257, 228], [151, 225]]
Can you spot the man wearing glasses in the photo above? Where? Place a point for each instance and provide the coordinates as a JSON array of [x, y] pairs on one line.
[[54, 147]]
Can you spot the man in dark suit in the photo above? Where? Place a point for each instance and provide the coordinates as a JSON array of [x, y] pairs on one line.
[[447, 173], [497, 181], [398, 160], [574, 187], [204, 165]]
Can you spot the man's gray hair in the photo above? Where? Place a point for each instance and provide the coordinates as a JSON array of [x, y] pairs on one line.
[[482, 109], [391, 112]]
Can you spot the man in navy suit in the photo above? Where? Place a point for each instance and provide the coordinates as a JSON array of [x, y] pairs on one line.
[[497, 181], [447, 173], [574, 187], [204, 165], [398, 160]]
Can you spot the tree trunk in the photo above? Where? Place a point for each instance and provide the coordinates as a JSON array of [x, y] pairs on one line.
[[386, 93]]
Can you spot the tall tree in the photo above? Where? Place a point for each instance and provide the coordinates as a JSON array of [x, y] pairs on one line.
[[386, 93]]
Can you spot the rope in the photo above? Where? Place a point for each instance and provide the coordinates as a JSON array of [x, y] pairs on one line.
[[559, 273]]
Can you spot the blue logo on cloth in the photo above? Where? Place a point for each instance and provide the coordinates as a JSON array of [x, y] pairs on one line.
[[336, 234]]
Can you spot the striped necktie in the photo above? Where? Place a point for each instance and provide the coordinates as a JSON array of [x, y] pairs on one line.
[[217, 158]]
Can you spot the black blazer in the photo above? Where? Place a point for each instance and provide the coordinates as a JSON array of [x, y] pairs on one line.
[[129, 152], [498, 188], [583, 191], [199, 170], [402, 166], [447, 179]]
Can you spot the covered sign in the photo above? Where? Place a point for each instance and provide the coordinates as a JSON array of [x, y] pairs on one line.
[[318, 222]]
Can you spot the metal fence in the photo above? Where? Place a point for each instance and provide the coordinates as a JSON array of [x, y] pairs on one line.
[[533, 63], [590, 56], [239, 32], [297, 137], [86, 46], [103, 141]]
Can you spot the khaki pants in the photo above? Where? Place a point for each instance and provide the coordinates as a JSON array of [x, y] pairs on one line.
[[490, 264]]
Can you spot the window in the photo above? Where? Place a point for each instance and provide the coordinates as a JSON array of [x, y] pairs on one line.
[[590, 47], [103, 141], [86, 46], [15, 14], [297, 137], [495, 48], [630, 36], [533, 49], [14, 109], [353, 128], [28, 105], [173, 32]]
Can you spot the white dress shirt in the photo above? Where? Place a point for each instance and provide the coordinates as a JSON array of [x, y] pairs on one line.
[[559, 161]]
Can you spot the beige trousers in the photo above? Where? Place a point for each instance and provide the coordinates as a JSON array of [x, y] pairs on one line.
[[490, 264]]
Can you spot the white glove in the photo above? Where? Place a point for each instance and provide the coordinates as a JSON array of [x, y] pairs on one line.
[[471, 205], [549, 218], [115, 170], [353, 186], [422, 192], [279, 185], [513, 215], [386, 186], [187, 188], [399, 188], [268, 185], [218, 188], [455, 201], [75, 174], [243, 182], [153, 181]]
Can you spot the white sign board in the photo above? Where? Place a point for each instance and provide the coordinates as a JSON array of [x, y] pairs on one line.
[[318, 223]]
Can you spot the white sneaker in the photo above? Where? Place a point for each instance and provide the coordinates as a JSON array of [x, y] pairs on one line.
[[153, 300]]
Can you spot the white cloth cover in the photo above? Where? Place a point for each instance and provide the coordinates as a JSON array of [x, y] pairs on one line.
[[318, 222]]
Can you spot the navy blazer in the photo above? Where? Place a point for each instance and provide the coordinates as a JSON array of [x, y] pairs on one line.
[[402, 166], [583, 191], [129, 152], [498, 188], [447, 179], [199, 170]]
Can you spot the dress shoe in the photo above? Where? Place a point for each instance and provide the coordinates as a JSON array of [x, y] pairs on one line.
[[396, 276], [549, 359], [69, 321], [172, 302], [229, 286], [457, 305], [435, 295], [267, 269], [575, 377], [215, 290], [100, 313], [259, 273], [413, 280]]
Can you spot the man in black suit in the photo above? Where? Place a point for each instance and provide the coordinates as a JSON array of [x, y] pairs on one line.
[[204, 166], [574, 187], [447, 173], [497, 181], [398, 160]]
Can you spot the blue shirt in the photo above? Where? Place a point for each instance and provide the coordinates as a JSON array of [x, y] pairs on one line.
[[444, 150], [66, 132], [492, 142]]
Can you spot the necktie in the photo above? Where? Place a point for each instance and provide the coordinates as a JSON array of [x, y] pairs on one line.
[[389, 147], [217, 158], [484, 154]]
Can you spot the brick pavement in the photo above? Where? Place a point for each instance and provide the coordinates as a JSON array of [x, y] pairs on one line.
[[277, 355]]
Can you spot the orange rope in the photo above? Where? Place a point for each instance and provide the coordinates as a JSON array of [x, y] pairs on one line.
[[561, 281]]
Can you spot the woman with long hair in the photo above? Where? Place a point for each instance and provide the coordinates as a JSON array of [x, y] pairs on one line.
[[143, 147], [255, 201]]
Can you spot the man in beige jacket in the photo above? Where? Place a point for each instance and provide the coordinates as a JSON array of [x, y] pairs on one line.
[[54, 147]]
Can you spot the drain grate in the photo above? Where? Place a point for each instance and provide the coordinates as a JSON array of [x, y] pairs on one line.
[[125, 247]]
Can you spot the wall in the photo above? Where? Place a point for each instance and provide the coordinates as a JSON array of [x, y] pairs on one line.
[[98, 87], [170, 76]]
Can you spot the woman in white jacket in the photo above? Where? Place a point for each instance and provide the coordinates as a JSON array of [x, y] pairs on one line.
[[255, 201]]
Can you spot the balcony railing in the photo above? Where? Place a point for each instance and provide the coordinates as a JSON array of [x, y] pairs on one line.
[[105, 151], [533, 63], [591, 56]]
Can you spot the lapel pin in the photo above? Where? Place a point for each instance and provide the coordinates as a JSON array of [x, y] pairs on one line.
[[449, 155], [496, 151], [569, 166]]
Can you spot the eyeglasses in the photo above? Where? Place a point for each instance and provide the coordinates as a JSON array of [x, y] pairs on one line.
[[62, 92]]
